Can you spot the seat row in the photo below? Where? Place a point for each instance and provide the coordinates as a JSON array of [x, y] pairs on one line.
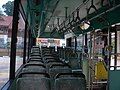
[[44, 72]]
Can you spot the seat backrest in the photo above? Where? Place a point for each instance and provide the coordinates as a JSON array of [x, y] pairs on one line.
[[35, 62], [30, 83], [74, 63], [36, 54], [35, 58], [33, 70], [35, 51], [50, 59], [54, 71], [52, 63], [32, 65], [70, 83]]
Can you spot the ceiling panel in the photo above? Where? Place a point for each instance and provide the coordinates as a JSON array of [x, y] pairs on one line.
[[60, 11]]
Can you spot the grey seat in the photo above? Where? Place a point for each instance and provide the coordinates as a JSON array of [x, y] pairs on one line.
[[30, 83], [35, 54], [54, 71], [52, 63], [33, 70], [35, 57], [32, 64], [70, 83], [74, 63], [35, 62], [49, 57], [35, 50]]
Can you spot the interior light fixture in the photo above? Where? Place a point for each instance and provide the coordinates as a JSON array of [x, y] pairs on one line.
[[48, 26], [84, 25]]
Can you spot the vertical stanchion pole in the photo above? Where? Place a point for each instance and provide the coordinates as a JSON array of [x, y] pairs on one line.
[[14, 39], [109, 56], [66, 12], [92, 61], [25, 39], [29, 43], [115, 54], [89, 63], [86, 39], [75, 43], [109, 44], [82, 46]]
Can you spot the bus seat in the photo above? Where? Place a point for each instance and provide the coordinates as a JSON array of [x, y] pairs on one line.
[[53, 63], [35, 62], [54, 71], [34, 69], [35, 58], [28, 65], [72, 82], [30, 83]]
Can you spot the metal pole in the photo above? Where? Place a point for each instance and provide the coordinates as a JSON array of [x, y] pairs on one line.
[[29, 42], [89, 72], [115, 54], [92, 61], [109, 56], [25, 39], [85, 39], [109, 44], [58, 21], [82, 46], [75, 43], [66, 12], [14, 39]]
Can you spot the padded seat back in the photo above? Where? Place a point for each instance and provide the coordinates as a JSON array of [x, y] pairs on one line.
[[36, 53], [70, 83], [33, 70], [48, 57], [35, 57], [74, 63], [36, 62], [52, 63], [33, 65], [30, 83], [54, 71]]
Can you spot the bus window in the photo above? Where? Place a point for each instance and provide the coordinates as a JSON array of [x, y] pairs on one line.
[[5, 43], [20, 42]]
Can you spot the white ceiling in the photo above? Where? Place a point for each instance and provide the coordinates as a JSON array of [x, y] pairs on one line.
[[60, 11], [72, 6]]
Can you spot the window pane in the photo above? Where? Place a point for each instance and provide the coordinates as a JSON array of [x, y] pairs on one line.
[[20, 42], [5, 41]]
